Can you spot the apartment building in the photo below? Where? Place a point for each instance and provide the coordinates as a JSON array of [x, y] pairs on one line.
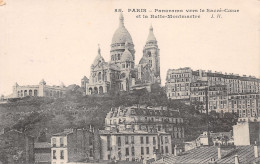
[[149, 119], [225, 91], [134, 145], [75, 145]]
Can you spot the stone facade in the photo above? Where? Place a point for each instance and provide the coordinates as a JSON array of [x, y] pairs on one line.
[[75, 145], [121, 73], [226, 92], [247, 131], [41, 90], [134, 146], [151, 120]]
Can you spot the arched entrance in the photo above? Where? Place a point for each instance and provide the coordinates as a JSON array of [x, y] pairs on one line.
[[90, 91], [35, 93], [95, 90], [100, 90], [30, 92]]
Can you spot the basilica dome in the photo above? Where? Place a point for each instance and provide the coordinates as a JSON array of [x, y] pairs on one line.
[[121, 35]]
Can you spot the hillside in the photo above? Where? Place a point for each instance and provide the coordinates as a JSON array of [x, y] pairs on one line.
[[38, 115]]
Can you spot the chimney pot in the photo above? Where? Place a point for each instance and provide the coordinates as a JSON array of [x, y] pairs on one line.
[[219, 153], [256, 151], [236, 159], [175, 150]]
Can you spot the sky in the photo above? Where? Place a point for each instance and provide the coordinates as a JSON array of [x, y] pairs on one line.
[[58, 40]]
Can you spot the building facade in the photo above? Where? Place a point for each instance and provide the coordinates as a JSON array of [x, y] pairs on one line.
[[75, 145], [247, 131], [134, 146], [226, 92], [121, 73], [151, 120], [41, 90]]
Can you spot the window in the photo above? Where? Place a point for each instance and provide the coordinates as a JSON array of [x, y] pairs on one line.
[[147, 150], [142, 151], [166, 140], [162, 150], [118, 56], [147, 140], [154, 149], [119, 141], [162, 140], [154, 141], [99, 76], [90, 140], [142, 140], [149, 53], [61, 142], [108, 157], [91, 152], [132, 140], [119, 152], [108, 143], [127, 151], [126, 140], [54, 142], [54, 154], [62, 154], [133, 151], [166, 149]]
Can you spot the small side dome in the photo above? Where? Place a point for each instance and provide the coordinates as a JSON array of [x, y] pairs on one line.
[[127, 56], [98, 58], [42, 82], [62, 85], [16, 84]]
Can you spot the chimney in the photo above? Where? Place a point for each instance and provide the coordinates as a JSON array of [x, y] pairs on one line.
[[175, 150], [219, 152], [236, 159], [256, 150]]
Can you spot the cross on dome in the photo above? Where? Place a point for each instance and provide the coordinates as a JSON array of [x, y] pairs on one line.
[[99, 51], [121, 19]]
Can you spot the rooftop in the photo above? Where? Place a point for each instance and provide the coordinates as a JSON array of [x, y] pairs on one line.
[[136, 132], [205, 154], [42, 145]]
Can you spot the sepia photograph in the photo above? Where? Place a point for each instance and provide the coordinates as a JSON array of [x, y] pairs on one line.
[[130, 82]]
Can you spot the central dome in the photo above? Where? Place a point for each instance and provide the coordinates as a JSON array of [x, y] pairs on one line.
[[121, 35]]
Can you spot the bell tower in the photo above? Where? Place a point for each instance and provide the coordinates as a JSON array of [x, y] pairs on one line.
[[151, 53]]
